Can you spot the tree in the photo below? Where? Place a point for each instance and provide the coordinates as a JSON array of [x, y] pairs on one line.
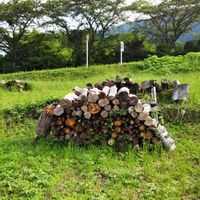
[[168, 20], [16, 16], [98, 16], [137, 47], [93, 17]]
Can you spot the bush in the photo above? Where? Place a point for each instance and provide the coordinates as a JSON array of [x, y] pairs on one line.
[[171, 64]]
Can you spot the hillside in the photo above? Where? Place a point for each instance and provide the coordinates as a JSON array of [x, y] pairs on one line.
[[129, 27]]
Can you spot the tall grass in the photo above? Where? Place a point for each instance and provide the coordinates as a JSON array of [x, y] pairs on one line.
[[59, 87]]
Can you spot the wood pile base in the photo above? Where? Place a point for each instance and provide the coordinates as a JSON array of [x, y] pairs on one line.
[[108, 112]]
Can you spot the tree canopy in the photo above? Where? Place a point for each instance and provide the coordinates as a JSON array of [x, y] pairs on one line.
[[168, 20], [16, 17]]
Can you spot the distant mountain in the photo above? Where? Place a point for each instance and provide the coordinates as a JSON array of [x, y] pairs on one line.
[[126, 28]]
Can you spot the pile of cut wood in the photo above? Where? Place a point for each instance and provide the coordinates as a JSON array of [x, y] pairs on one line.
[[105, 112], [14, 85]]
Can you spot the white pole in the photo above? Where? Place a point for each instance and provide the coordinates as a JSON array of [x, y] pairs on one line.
[[121, 57], [121, 52], [87, 41], [155, 94]]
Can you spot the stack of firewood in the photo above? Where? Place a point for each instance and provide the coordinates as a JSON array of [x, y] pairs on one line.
[[108, 111], [14, 85]]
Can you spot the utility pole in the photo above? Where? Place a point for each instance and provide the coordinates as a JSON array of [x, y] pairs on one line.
[[121, 52], [87, 41]]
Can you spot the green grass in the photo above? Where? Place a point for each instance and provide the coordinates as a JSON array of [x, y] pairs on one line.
[[52, 170], [47, 170], [57, 83]]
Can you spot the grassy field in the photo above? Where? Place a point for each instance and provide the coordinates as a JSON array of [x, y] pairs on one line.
[[51, 170]]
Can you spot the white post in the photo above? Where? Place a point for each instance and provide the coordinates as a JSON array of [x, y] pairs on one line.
[[121, 52], [155, 94], [121, 58], [87, 41]]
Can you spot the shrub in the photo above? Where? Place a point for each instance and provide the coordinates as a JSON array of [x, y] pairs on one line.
[[171, 64]]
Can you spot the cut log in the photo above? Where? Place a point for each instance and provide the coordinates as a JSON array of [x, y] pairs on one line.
[[117, 123], [103, 102], [142, 135], [77, 103], [111, 141], [167, 141], [134, 114], [114, 135], [59, 122], [117, 129], [115, 102], [58, 110], [67, 131], [143, 116], [175, 83], [148, 121], [124, 105], [146, 108], [93, 95], [78, 90], [139, 107], [104, 92], [132, 100], [79, 113], [133, 87], [49, 110], [78, 128], [141, 127], [44, 125], [99, 86], [89, 86], [67, 102], [180, 92], [73, 113], [112, 92], [131, 109], [83, 95], [147, 85], [104, 114], [115, 108], [93, 108], [70, 122], [107, 107], [165, 84], [84, 108], [148, 135], [87, 115], [151, 122], [123, 94]]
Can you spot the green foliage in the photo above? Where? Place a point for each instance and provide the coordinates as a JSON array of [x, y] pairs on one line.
[[192, 46], [169, 64], [40, 51], [137, 47], [19, 113], [16, 16]]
